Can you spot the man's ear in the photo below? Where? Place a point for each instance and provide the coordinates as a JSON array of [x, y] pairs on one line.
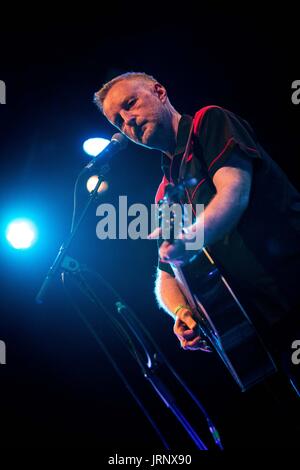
[[160, 92]]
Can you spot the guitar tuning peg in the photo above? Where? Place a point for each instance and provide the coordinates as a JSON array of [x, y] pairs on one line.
[[190, 182]]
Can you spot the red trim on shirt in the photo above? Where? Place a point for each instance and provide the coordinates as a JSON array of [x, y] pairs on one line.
[[197, 122], [199, 184], [161, 189], [190, 201], [221, 153], [200, 115]]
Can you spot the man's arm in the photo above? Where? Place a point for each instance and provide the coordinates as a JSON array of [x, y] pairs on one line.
[[222, 214], [233, 184], [168, 293], [169, 297]]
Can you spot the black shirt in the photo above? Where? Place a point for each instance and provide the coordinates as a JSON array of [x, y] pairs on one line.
[[261, 256]]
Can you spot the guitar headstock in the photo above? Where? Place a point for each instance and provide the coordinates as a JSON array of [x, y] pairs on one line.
[[171, 213]]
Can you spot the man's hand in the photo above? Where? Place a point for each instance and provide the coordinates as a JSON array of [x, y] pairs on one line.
[[187, 331], [175, 251]]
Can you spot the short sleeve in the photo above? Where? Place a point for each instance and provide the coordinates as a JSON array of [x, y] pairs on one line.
[[162, 265], [220, 132]]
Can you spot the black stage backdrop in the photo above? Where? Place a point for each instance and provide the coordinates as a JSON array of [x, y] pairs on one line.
[[58, 388]]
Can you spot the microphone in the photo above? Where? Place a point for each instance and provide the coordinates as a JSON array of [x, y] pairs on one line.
[[118, 142]]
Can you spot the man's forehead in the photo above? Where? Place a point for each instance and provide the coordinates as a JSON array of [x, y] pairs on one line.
[[119, 92]]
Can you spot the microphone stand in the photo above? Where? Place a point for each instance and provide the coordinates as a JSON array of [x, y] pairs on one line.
[[74, 271], [155, 359], [66, 244], [65, 263], [151, 360]]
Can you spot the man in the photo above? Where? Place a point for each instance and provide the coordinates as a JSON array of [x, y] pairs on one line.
[[251, 220]]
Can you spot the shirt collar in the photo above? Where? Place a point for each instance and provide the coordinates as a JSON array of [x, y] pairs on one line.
[[184, 127]]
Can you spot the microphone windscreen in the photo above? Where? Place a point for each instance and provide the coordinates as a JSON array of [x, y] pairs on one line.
[[121, 139]]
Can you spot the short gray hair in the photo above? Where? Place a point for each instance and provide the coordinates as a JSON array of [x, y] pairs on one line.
[[100, 95]]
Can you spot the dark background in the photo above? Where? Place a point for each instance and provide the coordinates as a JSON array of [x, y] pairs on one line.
[[58, 389]]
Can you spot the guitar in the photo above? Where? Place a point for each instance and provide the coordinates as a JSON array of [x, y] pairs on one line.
[[222, 319]]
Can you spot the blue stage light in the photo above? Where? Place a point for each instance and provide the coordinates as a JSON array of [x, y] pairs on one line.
[[21, 234], [91, 183], [95, 145]]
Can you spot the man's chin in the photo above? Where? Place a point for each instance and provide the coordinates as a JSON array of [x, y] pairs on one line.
[[148, 140]]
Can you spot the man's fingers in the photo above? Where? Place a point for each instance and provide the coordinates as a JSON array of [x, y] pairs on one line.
[[174, 251], [196, 344], [186, 317], [190, 334], [184, 323], [163, 251], [193, 343], [155, 234], [187, 331], [180, 326]]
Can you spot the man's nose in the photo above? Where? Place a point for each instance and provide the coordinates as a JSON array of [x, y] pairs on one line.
[[128, 118]]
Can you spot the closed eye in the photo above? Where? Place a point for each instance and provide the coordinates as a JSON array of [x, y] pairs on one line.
[[130, 103], [118, 122]]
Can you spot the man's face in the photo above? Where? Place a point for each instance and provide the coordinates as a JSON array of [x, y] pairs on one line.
[[137, 108]]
